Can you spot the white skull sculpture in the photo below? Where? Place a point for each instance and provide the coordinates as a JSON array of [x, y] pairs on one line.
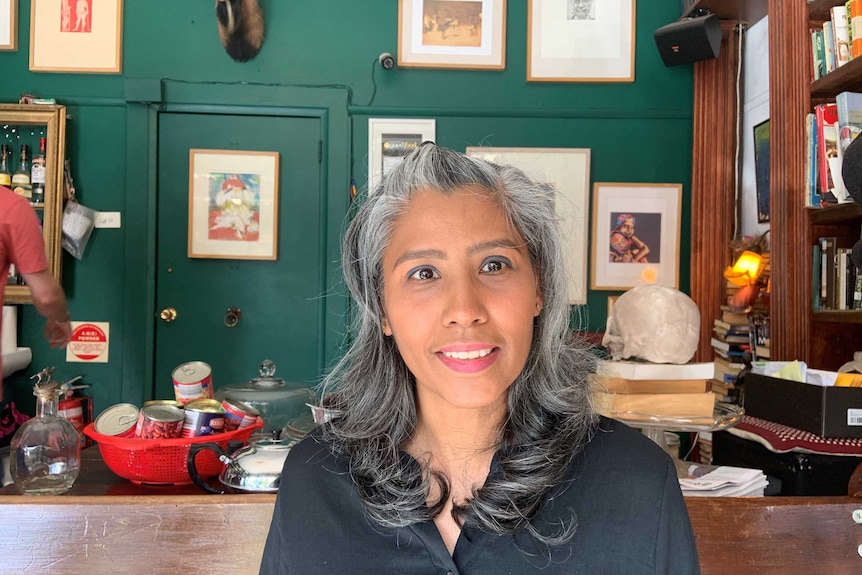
[[653, 323]]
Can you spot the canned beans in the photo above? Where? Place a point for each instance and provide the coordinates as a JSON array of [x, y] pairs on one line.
[[159, 422]]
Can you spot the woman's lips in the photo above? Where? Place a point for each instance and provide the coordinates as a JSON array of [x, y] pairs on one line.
[[469, 360]]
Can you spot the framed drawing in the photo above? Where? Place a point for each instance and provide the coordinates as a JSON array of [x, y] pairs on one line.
[[581, 41], [636, 231], [469, 34], [568, 171], [761, 170], [233, 204], [84, 36], [390, 139], [8, 25]]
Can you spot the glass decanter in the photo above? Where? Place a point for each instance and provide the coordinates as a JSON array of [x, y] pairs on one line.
[[46, 450]]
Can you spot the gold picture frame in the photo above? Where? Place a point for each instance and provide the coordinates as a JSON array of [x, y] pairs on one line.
[[233, 204], [581, 41], [461, 34], [8, 25], [76, 36], [636, 231]]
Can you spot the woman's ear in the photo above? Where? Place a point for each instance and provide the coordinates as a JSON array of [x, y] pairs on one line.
[[386, 329], [240, 28]]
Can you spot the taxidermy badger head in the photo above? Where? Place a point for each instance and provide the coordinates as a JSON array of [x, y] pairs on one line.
[[240, 27]]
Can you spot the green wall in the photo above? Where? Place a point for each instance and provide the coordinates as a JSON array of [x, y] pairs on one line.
[[637, 132]]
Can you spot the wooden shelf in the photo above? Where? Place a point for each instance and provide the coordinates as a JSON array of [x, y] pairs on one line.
[[840, 214], [847, 78], [749, 11], [837, 316]]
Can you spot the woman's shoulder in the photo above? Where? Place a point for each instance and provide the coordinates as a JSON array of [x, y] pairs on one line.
[[312, 455]]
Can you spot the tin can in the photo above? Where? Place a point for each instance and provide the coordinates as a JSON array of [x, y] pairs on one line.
[[72, 409], [118, 420], [237, 414], [203, 417], [171, 402], [159, 422], [192, 380]]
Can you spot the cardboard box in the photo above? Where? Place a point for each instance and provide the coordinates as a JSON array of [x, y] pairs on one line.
[[824, 411]]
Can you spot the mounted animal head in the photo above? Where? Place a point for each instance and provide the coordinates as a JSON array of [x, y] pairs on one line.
[[240, 27]]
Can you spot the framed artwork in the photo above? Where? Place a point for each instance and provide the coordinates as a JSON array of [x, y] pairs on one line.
[[84, 36], [233, 204], [761, 170], [581, 41], [468, 34], [8, 25], [390, 139], [568, 171], [636, 230]]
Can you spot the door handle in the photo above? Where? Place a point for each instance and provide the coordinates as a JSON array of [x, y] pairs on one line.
[[168, 314], [232, 317]]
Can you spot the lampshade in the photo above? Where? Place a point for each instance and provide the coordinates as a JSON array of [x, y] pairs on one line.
[[746, 270]]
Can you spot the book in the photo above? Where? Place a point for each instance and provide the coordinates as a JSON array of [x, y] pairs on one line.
[[733, 317], [639, 405], [829, 46], [827, 148], [854, 11], [623, 385], [732, 337], [841, 34], [648, 370], [818, 54], [728, 347], [730, 327], [848, 107]]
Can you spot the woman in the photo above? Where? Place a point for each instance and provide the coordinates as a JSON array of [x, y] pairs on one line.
[[463, 440]]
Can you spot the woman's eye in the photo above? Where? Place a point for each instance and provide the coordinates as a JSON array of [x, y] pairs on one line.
[[496, 265], [423, 274]]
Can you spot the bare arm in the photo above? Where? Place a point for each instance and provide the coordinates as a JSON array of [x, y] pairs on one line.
[[641, 248], [50, 302]]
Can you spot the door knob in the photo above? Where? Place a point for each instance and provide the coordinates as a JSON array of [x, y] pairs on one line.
[[168, 314], [232, 317]]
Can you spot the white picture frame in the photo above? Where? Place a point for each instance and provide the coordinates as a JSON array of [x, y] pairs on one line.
[[581, 41], [390, 139], [568, 171], [657, 213], [8, 25]]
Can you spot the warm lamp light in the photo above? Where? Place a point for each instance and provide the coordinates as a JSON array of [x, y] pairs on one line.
[[746, 270]]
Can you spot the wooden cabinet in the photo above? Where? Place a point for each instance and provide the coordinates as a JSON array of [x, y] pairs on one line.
[[26, 124], [824, 339]]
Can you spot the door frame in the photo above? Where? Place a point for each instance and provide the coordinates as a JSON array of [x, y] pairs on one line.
[[146, 99]]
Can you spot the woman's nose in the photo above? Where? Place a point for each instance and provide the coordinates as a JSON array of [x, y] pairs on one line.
[[465, 305]]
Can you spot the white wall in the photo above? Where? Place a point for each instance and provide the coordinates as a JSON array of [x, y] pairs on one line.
[[755, 109]]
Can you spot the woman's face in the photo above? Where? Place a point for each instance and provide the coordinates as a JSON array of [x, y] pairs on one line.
[[459, 297]]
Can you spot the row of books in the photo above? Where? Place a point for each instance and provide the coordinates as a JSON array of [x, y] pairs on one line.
[[834, 44], [836, 281], [829, 130]]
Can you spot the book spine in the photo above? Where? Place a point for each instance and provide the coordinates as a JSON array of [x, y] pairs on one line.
[[855, 12], [828, 46], [818, 55], [848, 107], [841, 35], [827, 147]]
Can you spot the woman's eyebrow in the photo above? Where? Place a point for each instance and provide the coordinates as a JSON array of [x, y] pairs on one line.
[[418, 255], [491, 244]]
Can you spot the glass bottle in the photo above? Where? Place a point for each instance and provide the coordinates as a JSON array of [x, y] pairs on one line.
[[46, 450], [5, 174], [37, 174], [21, 177]]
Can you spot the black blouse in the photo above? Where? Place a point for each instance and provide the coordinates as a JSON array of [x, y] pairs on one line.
[[623, 490]]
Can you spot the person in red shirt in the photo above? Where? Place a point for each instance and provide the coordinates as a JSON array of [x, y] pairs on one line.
[[21, 244]]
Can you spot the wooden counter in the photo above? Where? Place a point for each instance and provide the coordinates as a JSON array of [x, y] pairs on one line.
[[108, 525]]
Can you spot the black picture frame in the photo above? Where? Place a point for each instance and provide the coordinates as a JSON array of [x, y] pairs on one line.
[[761, 170]]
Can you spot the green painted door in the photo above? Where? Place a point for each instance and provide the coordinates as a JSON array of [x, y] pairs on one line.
[[280, 301]]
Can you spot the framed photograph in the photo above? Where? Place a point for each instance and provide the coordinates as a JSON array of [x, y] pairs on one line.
[[8, 25], [568, 171], [468, 34], [581, 41], [390, 139], [233, 204], [761, 170], [636, 231], [84, 36]]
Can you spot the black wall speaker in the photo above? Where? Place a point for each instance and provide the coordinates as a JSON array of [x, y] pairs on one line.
[[689, 40]]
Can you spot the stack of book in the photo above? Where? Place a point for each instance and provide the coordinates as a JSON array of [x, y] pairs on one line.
[[635, 391], [731, 340]]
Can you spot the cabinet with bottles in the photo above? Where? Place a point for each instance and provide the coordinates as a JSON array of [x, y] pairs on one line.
[[32, 156]]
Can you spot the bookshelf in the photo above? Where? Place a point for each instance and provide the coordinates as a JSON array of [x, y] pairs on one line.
[[824, 339], [742, 10]]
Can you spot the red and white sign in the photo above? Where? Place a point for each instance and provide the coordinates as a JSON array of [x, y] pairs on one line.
[[89, 343]]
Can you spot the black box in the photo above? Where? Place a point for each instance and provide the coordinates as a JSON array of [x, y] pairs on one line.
[[824, 411]]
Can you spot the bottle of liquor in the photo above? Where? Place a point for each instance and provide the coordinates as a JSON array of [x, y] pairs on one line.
[[37, 174], [21, 178], [5, 173]]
